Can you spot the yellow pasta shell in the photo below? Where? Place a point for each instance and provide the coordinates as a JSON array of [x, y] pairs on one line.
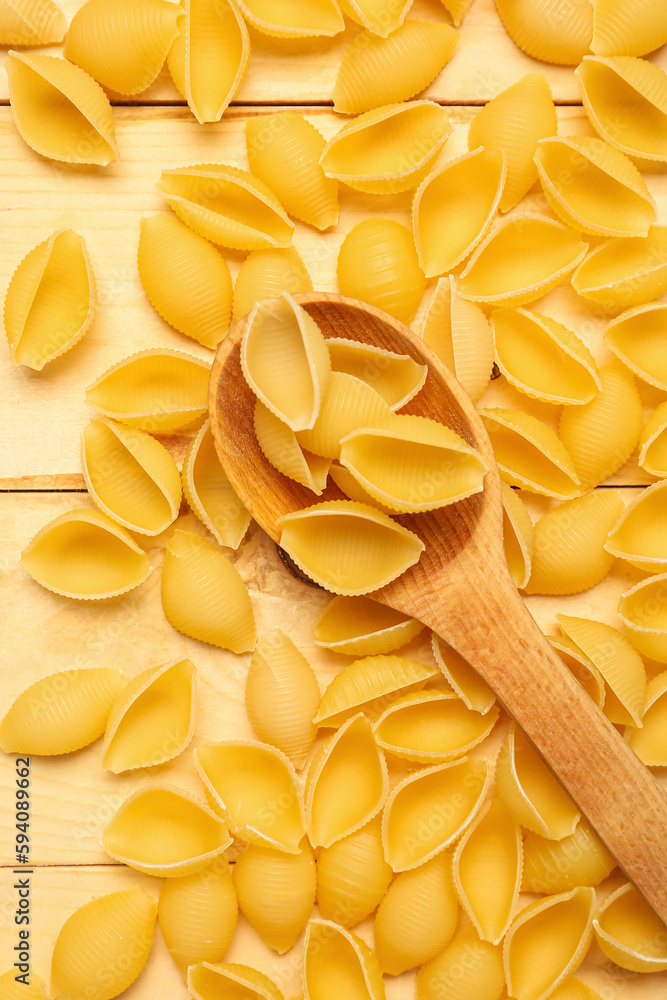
[[280, 447], [377, 16], [367, 685], [638, 536], [103, 946], [649, 742], [13, 989], [643, 611], [429, 809], [83, 554], [378, 264], [276, 893], [514, 121], [629, 933], [376, 71], [359, 626], [637, 338], [574, 989], [78, 127], [463, 678], [581, 668], [518, 536], [153, 719], [388, 149], [529, 790], [198, 914], [338, 963], [298, 19], [521, 259], [569, 555], [31, 22], [207, 982], [283, 151], [431, 727], [348, 403], [396, 377], [487, 871], [353, 489], [203, 595], [255, 786], [352, 876], [625, 272], [417, 917], [553, 866], [549, 30], [226, 205], [653, 443], [209, 493], [265, 274], [50, 302], [60, 713], [633, 29], [466, 968], [156, 390], [282, 696], [547, 942], [457, 8]]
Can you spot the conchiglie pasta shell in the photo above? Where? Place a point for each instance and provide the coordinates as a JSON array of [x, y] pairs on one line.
[[255, 786], [280, 447], [348, 403], [429, 809], [338, 963], [574, 989], [346, 783], [638, 339], [487, 871], [547, 942], [463, 678], [152, 719], [643, 611], [282, 696], [234, 982], [209, 493], [396, 377], [457, 8], [103, 946], [530, 791], [352, 876], [518, 536], [78, 126], [353, 489], [367, 685], [376, 15], [347, 547], [156, 390], [650, 742], [625, 272], [653, 443], [60, 713], [549, 30], [431, 727], [553, 866], [376, 71], [265, 274], [83, 554], [198, 915], [521, 259], [31, 22], [226, 205], [638, 536], [629, 933], [581, 668], [514, 121], [389, 149], [378, 264], [276, 893], [633, 29], [359, 626], [466, 968], [297, 19], [13, 989], [50, 302]]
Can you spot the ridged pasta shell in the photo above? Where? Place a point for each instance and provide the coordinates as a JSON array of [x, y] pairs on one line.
[[165, 831], [203, 595], [227, 206], [547, 942], [348, 403], [396, 377], [466, 968], [637, 338], [529, 790], [459, 333], [625, 272], [650, 742], [31, 22], [629, 933], [514, 121], [553, 866], [206, 982], [50, 302], [620, 665], [280, 446], [156, 390], [198, 915], [255, 786], [574, 989], [346, 783], [299, 19], [417, 917], [285, 361], [265, 274], [638, 534], [284, 151], [359, 626], [643, 611], [276, 893], [569, 555], [282, 696], [454, 207], [633, 29], [389, 149], [653, 443], [209, 56], [209, 493], [463, 678], [376, 15], [367, 685], [185, 278], [13, 989], [431, 808], [518, 536], [581, 668], [601, 435], [378, 264], [130, 476], [431, 727], [530, 455], [353, 489], [352, 876], [530, 348], [376, 71], [457, 8], [549, 30], [122, 43], [347, 547], [85, 555], [60, 713], [153, 719], [103, 946], [338, 963], [487, 870], [522, 258]]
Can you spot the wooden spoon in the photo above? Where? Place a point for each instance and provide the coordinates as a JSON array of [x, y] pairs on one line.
[[461, 588]]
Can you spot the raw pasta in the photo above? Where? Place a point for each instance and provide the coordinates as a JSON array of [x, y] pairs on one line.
[[209, 493], [338, 963], [637, 338], [625, 272], [653, 442], [549, 30], [359, 626], [396, 377], [643, 612], [633, 29], [581, 668], [348, 403], [553, 866], [431, 727], [280, 446], [638, 534], [11, 989], [518, 536], [207, 981], [649, 741], [628, 931], [376, 15], [463, 678], [31, 22], [297, 19], [265, 274], [466, 968], [352, 876], [276, 893]]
